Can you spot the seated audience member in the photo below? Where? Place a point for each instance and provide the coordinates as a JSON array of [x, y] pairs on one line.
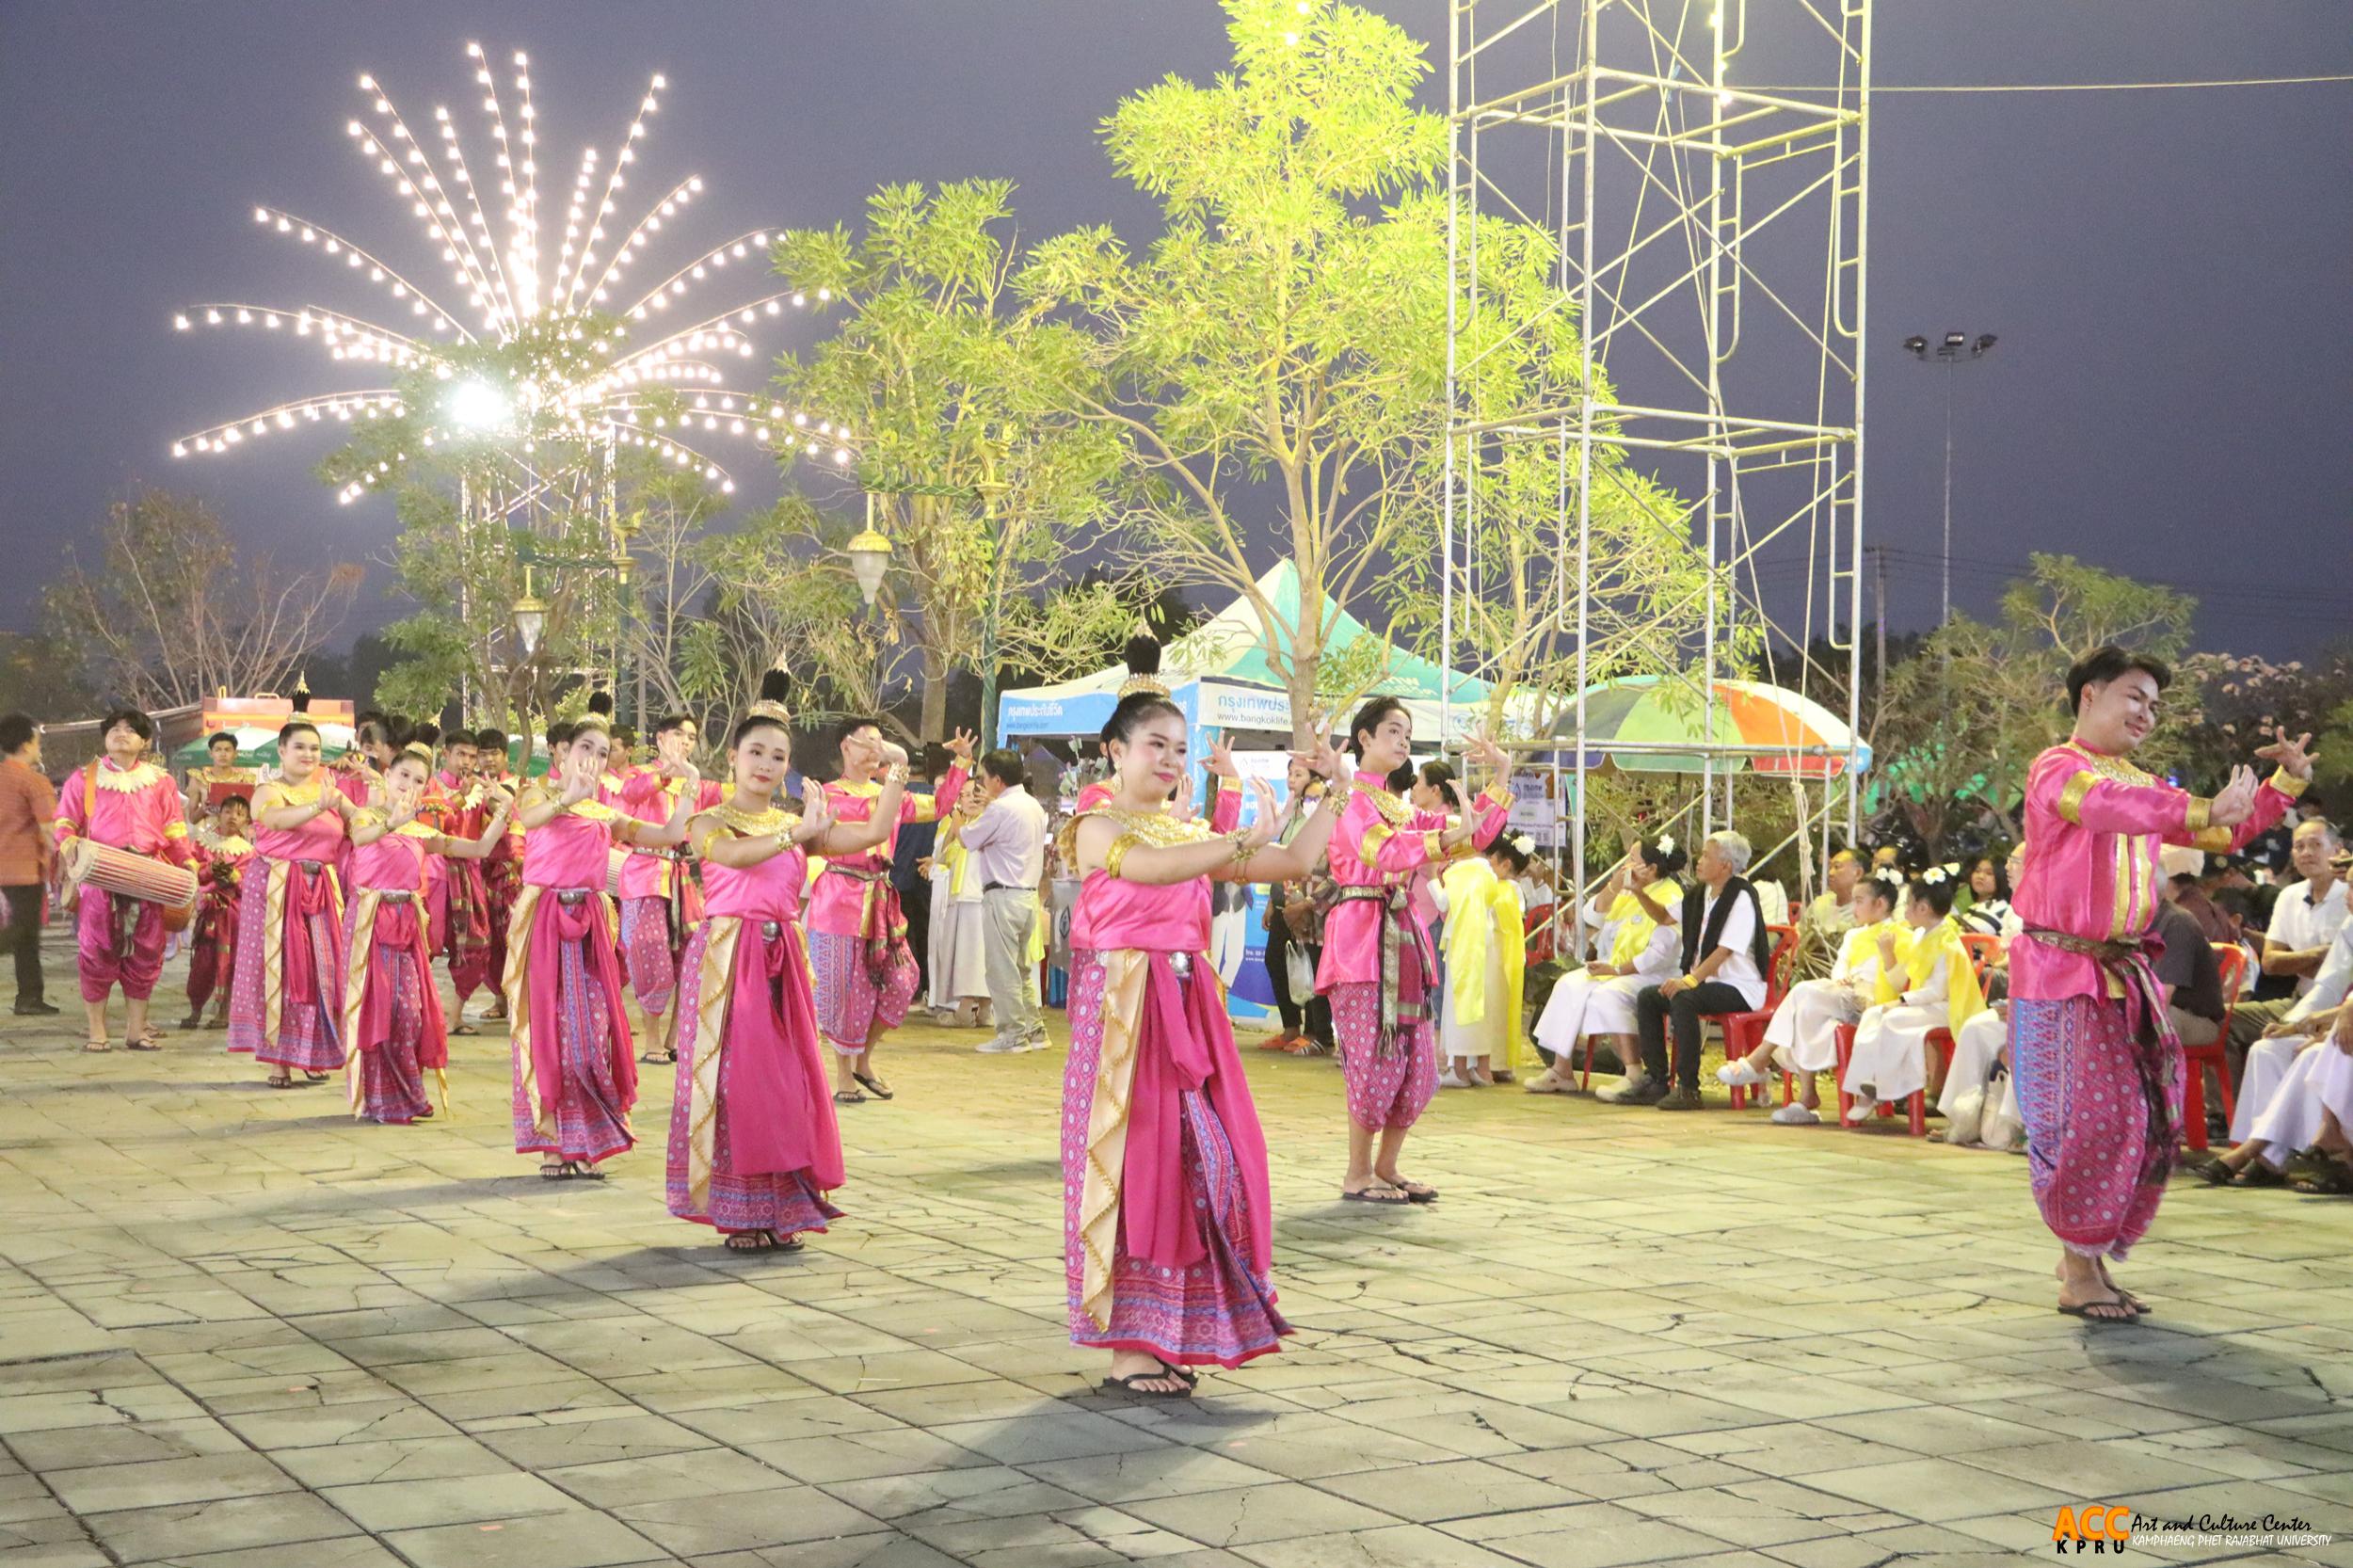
[[1802, 1037], [1986, 903], [1980, 1099], [2272, 1120], [2305, 919], [1822, 929], [1638, 947], [1890, 1060], [1725, 955]]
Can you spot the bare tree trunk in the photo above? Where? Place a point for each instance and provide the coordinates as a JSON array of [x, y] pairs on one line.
[[933, 724]]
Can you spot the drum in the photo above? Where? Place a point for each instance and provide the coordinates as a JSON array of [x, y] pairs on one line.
[[119, 870], [615, 859]]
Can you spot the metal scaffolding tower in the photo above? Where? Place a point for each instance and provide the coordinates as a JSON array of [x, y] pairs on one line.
[[1701, 166]]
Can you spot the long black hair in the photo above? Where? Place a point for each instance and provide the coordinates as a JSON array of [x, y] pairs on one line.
[[2001, 876]]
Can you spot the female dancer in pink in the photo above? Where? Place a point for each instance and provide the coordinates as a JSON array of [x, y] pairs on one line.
[[1378, 967], [575, 1072], [857, 937], [754, 1148], [1167, 1233], [119, 800], [283, 999], [391, 1010], [660, 902]]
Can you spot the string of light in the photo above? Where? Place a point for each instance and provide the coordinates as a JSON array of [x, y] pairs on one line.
[[582, 376]]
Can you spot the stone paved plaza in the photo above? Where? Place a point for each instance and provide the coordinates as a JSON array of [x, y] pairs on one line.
[[237, 1328]]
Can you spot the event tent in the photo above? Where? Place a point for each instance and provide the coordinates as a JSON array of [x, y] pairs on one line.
[[1218, 674], [1638, 722]]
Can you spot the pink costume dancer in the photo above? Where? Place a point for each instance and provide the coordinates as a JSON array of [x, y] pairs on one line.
[[391, 1010], [660, 902], [119, 940], [1167, 1230], [575, 1074], [754, 1148], [2099, 1070], [858, 935], [1378, 966], [285, 999]]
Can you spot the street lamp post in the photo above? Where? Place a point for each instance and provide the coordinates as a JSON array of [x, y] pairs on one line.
[[1957, 348], [870, 553]]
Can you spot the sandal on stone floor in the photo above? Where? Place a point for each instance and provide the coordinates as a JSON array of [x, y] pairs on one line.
[[750, 1241], [94, 1046], [1379, 1192], [1415, 1191], [281, 1081], [1128, 1386], [875, 1086], [582, 1171], [2334, 1181], [657, 1058], [463, 1029], [555, 1170], [848, 1097], [145, 1041], [315, 1077], [2118, 1311]]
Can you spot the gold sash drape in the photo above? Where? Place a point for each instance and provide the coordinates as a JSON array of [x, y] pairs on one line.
[[1126, 970], [358, 957], [713, 989], [516, 987]]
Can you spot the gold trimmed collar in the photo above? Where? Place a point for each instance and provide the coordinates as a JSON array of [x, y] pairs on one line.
[[125, 781]]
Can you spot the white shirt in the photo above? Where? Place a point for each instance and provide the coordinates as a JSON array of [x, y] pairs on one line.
[[1007, 842], [2297, 924], [1738, 969], [2329, 986]]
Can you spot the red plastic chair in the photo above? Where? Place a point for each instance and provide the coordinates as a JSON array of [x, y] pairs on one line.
[[1916, 1103], [1743, 1032], [2232, 960]]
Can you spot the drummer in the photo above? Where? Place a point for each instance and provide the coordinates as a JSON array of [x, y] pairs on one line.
[[126, 802]]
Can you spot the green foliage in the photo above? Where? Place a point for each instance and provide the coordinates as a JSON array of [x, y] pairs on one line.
[[984, 493]]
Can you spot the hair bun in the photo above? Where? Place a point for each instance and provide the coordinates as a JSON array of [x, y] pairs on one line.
[[1144, 654], [425, 733], [775, 686], [601, 703]]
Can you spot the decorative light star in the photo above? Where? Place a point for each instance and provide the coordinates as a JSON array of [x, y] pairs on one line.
[[550, 365]]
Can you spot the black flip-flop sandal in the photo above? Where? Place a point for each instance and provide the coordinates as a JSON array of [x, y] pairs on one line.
[[657, 1058], [1184, 1375], [1415, 1192], [145, 1041], [1375, 1194], [463, 1029], [2208, 1167], [1128, 1386], [751, 1241], [2118, 1311], [848, 1097], [875, 1086], [2336, 1181], [95, 1048], [279, 1083], [315, 1077], [557, 1171], [582, 1171], [2258, 1174]]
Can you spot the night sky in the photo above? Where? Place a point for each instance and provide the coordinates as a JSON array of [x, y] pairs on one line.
[[2170, 273]]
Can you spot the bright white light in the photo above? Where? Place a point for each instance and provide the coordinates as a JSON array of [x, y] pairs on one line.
[[478, 406]]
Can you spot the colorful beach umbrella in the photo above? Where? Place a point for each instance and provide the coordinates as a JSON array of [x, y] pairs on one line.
[[1639, 722]]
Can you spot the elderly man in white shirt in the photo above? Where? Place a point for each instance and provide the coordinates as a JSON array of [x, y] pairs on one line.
[[1007, 842], [2304, 921]]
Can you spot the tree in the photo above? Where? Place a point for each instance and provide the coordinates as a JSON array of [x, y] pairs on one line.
[[1972, 709], [1281, 348], [984, 495], [171, 611]]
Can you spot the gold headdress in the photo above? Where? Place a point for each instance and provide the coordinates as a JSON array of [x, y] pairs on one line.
[[420, 751], [1143, 668], [775, 687]]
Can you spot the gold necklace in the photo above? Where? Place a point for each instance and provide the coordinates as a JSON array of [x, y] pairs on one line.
[[1155, 828], [753, 825]]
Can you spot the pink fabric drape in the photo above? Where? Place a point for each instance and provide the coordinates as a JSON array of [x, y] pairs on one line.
[[309, 893], [556, 923], [398, 930], [1186, 1044], [779, 1108]]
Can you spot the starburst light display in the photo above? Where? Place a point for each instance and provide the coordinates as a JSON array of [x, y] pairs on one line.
[[551, 363]]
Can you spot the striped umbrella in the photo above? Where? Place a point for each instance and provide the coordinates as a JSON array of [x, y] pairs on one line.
[[1641, 722]]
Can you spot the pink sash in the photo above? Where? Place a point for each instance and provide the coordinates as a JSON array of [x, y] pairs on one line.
[[779, 1110], [556, 923], [1185, 1044], [310, 892], [397, 930]]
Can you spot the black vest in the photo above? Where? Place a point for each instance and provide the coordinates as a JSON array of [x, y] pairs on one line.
[[1698, 944]]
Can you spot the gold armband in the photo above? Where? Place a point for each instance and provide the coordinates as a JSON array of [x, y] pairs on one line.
[[2288, 784], [2071, 800], [2196, 815], [1117, 855], [895, 774], [1433, 845], [1240, 839]]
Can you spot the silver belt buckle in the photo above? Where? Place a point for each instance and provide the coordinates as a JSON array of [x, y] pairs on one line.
[[1180, 964], [401, 897], [572, 898], [771, 930]]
